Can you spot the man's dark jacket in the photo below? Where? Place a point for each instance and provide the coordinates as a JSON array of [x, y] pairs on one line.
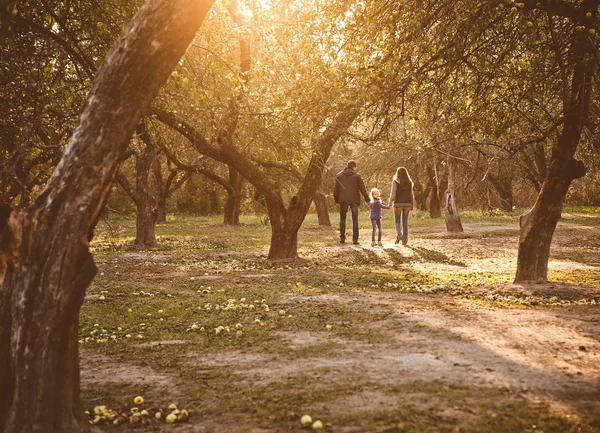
[[349, 186]]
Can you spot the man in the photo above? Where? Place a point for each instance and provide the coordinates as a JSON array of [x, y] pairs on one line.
[[348, 188]]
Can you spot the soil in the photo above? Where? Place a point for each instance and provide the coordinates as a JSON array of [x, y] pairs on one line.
[[445, 362]]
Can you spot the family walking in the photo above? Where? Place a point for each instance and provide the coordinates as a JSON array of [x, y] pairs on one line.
[[349, 186]]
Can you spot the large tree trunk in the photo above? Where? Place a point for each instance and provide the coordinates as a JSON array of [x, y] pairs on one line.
[[453, 223], [231, 212], [39, 313], [537, 226], [320, 201], [48, 266], [284, 242]]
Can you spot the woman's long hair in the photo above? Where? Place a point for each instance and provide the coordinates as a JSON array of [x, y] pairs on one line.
[[403, 178]]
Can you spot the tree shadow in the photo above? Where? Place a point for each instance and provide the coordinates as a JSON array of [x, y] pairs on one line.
[[365, 256], [397, 258], [435, 256], [549, 289], [458, 358]]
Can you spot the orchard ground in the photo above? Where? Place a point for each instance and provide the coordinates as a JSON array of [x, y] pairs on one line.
[[432, 337]]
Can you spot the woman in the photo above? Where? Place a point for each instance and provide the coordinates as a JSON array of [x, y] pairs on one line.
[[401, 198]]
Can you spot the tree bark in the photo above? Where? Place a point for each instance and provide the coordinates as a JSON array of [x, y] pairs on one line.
[[322, 209], [161, 192], [503, 186], [538, 225], [49, 265], [231, 212], [146, 215], [421, 194], [284, 236], [435, 204]]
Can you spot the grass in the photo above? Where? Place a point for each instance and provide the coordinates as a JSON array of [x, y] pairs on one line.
[[207, 292]]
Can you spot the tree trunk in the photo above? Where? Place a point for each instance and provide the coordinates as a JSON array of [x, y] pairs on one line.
[[41, 298], [161, 209], [435, 204], [47, 265], [537, 226], [231, 212], [284, 235], [503, 186], [284, 243], [161, 192], [320, 201], [421, 194], [453, 223], [146, 214]]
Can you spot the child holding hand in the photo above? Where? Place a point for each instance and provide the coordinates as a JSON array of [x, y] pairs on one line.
[[376, 205]]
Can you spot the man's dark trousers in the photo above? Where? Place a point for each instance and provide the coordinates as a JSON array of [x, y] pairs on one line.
[[343, 211]]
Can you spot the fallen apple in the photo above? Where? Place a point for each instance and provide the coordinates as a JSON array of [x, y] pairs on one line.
[[306, 420]]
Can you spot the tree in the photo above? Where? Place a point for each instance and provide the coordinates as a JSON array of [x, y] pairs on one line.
[[47, 263], [285, 221], [233, 183], [551, 44], [164, 188], [538, 225], [50, 53], [146, 212], [293, 107]]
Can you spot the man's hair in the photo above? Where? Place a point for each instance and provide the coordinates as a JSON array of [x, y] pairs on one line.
[[352, 164]]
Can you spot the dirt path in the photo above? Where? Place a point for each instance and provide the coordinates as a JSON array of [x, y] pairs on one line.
[[554, 354]]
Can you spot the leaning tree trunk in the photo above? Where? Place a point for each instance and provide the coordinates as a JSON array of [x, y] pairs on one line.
[[47, 265], [453, 223], [320, 201], [235, 194], [538, 225]]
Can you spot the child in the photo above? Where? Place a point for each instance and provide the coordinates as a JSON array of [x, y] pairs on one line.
[[376, 205]]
